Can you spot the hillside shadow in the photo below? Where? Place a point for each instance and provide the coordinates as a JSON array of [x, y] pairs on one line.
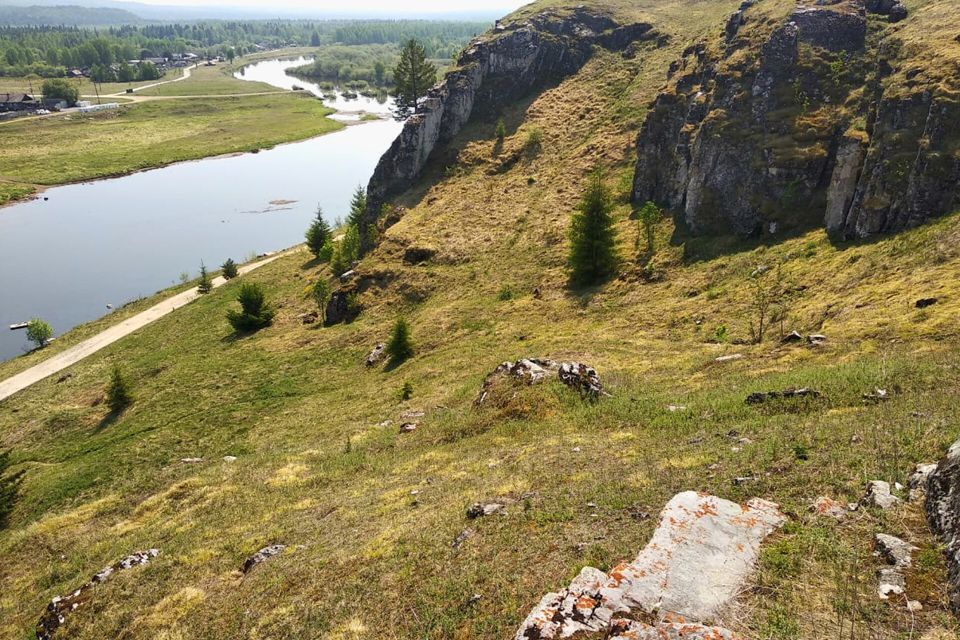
[[712, 245]]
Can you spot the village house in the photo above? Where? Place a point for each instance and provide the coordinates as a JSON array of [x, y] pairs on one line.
[[17, 102]]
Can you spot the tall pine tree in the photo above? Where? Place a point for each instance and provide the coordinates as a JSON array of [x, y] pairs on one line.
[[358, 204], [413, 75], [318, 234], [593, 254]]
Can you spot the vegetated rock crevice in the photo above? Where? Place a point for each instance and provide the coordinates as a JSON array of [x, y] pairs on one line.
[[512, 61], [807, 120]]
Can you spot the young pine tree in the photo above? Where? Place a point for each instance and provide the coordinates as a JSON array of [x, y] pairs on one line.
[[205, 285], [229, 269], [647, 218], [321, 295], [400, 347], [254, 312], [413, 75], [118, 392], [358, 204], [318, 234], [501, 130], [593, 255]]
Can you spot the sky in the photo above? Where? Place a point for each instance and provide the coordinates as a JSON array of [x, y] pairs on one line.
[[384, 7]]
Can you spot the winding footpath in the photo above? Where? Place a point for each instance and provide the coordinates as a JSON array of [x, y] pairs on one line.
[[107, 337]]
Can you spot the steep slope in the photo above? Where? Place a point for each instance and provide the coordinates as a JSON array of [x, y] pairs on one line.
[[374, 520]]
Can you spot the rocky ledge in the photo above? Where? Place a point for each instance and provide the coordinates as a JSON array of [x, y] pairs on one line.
[[943, 514], [817, 125], [497, 68]]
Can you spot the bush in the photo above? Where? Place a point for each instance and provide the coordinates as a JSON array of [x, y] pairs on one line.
[[647, 218], [501, 130], [326, 252], [255, 313], [62, 89], [534, 139], [229, 269], [118, 392], [39, 332], [9, 488], [406, 392], [321, 295], [205, 285], [400, 347], [593, 256]]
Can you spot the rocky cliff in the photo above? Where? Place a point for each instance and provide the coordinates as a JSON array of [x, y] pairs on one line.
[[821, 115], [943, 514], [512, 61]]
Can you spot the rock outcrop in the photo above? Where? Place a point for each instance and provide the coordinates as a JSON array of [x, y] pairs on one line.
[[943, 515], [808, 128], [696, 563], [497, 68]]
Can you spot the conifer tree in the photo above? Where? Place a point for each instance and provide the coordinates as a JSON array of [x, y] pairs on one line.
[[118, 392], [400, 347], [593, 256], [413, 75], [254, 312], [318, 234], [229, 269], [205, 285], [358, 204]]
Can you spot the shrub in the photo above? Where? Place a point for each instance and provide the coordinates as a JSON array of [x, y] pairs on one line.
[[321, 295], [534, 139], [229, 269], [406, 391], [593, 256], [400, 347], [39, 332], [318, 234], [506, 293], [61, 89], [501, 130], [647, 218], [118, 392], [205, 285], [9, 488], [254, 312], [326, 251]]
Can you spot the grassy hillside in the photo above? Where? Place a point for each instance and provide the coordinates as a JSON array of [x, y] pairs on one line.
[[370, 515]]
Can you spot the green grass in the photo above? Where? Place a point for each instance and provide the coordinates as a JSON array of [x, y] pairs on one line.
[[203, 80], [316, 471], [10, 191], [150, 134]]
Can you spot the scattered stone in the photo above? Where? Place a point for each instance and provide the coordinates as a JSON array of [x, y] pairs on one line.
[[921, 474], [878, 395], [308, 318], [742, 480], [582, 378], [890, 582], [637, 512], [375, 356], [816, 339], [923, 303], [878, 495], [793, 336], [474, 599], [673, 408], [697, 561], [60, 606], [229, 458], [730, 358], [412, 414], [462, 537], [385, 423], [347, 276], [479, 510], [824, 506], [191, 460], [409, 427], [576, 450], [894, 550], [260, 556], [914, 606], [760, 397], [856, 439]]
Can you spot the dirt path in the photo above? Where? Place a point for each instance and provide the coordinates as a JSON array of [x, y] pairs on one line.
[[107, 337], [186, 75]]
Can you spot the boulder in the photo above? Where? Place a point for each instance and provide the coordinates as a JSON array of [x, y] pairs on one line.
[[342, 306], [943, 515], [61, 606], [878, 495], [584, 379], [730, 358], [479, 510], [260, 556], [897, 553], [375, 356], [923, 303], [698, 560], [824, 506]]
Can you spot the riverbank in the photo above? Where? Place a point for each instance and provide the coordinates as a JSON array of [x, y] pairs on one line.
[[148, 135]]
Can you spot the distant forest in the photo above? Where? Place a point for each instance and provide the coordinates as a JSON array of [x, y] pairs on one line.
[[51, 51]]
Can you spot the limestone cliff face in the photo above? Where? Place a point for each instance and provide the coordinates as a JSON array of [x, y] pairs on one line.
[[792, 122], [498, 68]]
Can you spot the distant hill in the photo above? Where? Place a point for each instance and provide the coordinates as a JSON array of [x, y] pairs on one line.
[[65, 15]]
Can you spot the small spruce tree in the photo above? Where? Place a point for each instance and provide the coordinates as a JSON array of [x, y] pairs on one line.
[[39, 332], [229, 269], [318, 233], [647, 218], [254, 312], [400, 347], [118, 392], [321, 295], [206, 284], [326, 251], [358, 205], [593, 255], [501, 130]]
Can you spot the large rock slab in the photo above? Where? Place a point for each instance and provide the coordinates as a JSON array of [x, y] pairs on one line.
[[943, 514], [698, 560]]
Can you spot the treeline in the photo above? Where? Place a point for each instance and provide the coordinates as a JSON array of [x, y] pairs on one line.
[[51, 51], [372, 63]]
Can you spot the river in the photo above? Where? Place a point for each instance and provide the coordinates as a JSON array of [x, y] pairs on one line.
[[81, 247]]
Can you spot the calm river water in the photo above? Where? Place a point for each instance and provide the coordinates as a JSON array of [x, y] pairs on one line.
[[66, 258]]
